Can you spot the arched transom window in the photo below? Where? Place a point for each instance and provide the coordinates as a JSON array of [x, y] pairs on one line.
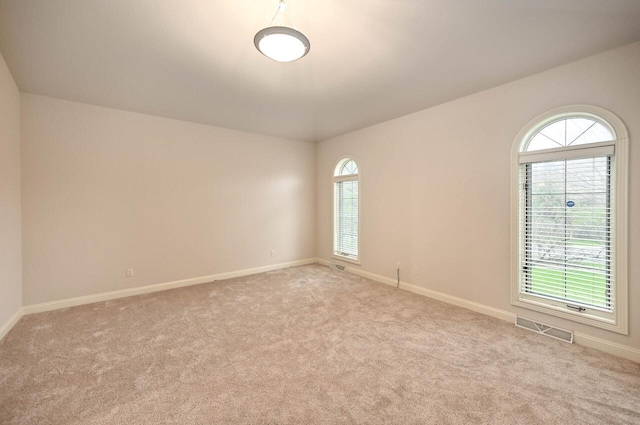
[[568, 132]]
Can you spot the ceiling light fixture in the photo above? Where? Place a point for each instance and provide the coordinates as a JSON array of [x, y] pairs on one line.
[[281, 42]]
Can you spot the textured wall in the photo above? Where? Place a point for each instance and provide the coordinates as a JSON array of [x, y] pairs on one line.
[[105, 190], [10, 239], [435, 185]]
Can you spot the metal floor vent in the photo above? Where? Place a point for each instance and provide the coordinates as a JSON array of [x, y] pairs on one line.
[[541, 328], [338, 267]]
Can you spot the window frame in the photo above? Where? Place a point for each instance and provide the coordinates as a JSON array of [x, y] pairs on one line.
[[336, 178], [618, 320]]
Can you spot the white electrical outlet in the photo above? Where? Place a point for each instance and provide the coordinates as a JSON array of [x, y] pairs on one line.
[[415, 270], [273, 252], [129, 272]]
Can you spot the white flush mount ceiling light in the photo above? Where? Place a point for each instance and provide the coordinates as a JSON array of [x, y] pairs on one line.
[[281, 42]]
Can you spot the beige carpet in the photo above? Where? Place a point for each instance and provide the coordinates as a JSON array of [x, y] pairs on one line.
[[306, 345]]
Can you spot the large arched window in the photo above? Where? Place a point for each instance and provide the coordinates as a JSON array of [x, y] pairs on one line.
[[346, 221], [569, 223]]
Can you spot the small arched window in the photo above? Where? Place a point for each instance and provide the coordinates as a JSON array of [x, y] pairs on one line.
[[569, 225], [346, 221]]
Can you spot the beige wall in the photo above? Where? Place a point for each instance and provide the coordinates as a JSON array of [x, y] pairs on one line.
[[435, 185], [106, 190], [10, 228]]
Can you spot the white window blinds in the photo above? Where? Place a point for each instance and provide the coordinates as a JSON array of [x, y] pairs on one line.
[[567, 224], [347, 218]]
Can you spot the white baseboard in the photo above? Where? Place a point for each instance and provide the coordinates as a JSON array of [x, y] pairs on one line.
[[607, 346], [579, 338], [105, 296], [6, 327]]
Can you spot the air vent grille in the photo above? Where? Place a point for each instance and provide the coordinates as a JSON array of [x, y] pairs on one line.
[[541, 328]]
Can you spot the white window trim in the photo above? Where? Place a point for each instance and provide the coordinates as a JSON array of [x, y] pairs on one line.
[[334, 179], [619, 323]]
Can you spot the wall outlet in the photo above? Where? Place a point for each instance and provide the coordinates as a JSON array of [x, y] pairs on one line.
[[129, 273], [273, 252], [415, 270]]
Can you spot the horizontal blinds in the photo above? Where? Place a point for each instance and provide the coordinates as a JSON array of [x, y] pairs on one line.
[[567, 222], [347, 217]]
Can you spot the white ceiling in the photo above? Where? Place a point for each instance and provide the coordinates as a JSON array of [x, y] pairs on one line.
[[370, 60]]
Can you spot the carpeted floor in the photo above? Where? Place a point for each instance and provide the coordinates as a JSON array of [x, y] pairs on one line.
[[306, 345]]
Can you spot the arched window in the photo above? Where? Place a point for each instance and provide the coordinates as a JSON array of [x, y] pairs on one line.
[[569, 222], [346, 221]]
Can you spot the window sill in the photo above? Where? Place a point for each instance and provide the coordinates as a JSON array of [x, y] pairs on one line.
[[610, 324], [347, 259]]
